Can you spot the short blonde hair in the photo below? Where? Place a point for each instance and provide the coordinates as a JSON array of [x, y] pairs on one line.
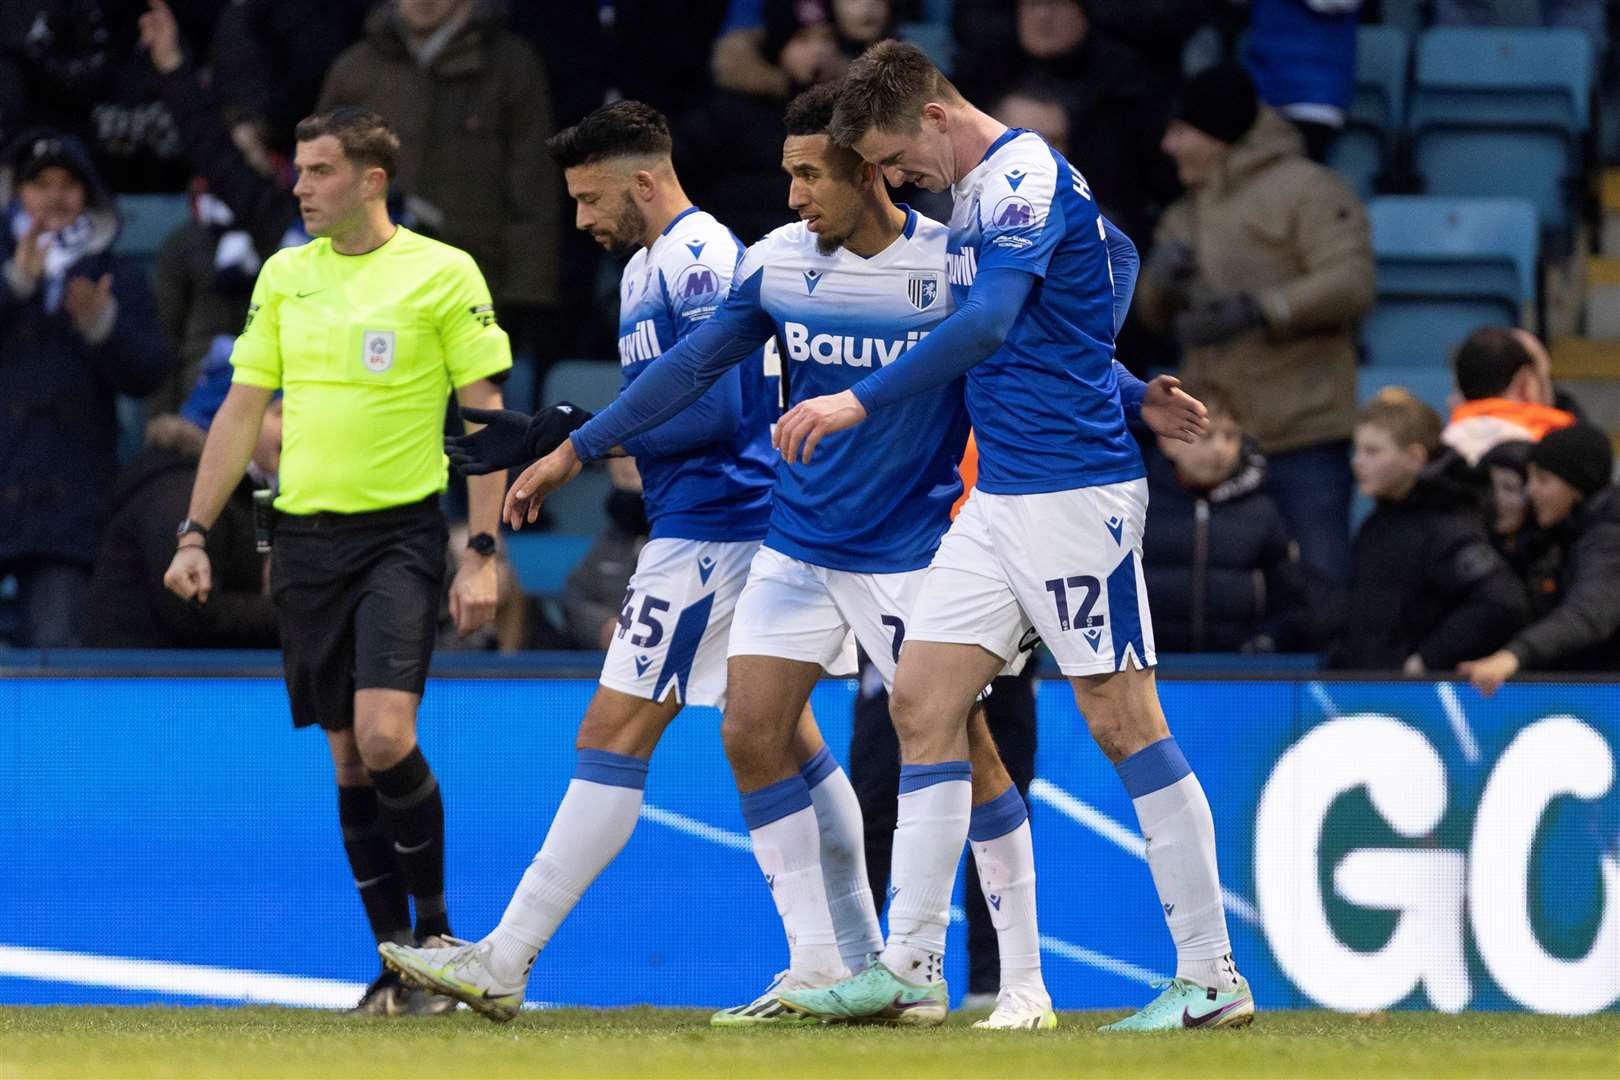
[[1401, 414]]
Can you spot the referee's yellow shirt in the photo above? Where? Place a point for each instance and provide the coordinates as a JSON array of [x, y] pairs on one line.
[[366, 349]]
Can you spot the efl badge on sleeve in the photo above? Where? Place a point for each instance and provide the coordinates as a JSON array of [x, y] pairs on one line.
[[379, 350]]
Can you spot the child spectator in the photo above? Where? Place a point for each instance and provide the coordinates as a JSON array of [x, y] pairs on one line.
[[1512, 528], [1223, 571], [1427, 589], [1576, 604]]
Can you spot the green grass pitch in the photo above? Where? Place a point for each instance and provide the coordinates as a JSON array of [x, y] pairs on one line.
[[253, 1042]]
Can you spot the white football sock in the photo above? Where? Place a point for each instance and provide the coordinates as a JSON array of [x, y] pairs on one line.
[[1005, 855], [597, 814], [1180, 833], [931, 826], [787, 845], [843, 860]]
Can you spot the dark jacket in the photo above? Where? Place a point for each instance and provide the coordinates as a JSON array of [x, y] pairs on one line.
[[1576, 593], [1426, 579], [130, 608], [593, 592], [262, 206], [198, 301], [472, 127], [1222, 571], [58, 394]]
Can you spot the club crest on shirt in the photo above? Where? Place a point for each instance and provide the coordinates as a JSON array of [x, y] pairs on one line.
[[922, 290], [377, 351]]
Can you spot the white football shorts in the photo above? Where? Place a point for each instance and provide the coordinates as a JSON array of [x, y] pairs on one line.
[[675, 621], [1067, 564], [799, 611]]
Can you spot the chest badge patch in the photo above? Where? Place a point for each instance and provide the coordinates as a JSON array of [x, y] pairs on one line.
[[922, 290], [378, 350]]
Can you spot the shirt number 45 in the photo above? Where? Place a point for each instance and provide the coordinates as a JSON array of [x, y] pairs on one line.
[[1088, 590], [651, 606]]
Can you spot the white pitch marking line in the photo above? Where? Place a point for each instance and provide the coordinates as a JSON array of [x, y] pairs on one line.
[[1100, 823], [693, 827]]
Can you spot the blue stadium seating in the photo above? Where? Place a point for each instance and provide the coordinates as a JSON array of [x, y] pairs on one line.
[[933, 38], [1377, 109], [542, 560], [1501, 111], [592, 384], [1432, 385], [1446, 267], [147, 222]]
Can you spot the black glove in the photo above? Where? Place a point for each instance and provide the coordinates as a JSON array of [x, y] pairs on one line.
[[1172, 267], [510, 438], [1216, 320]]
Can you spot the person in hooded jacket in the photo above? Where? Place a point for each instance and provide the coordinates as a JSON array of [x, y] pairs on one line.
[[1260, 271], [1223, 572], [77, 328], [1427, 588], [129, 606], [1575, 584]]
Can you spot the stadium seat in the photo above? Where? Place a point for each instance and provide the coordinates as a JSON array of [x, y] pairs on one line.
[[1377, 109], [1446, 267], [542, 561], [591, 384], [1433, 386], [1407, 15], [1501, 111], [935, 39], [147, 222]]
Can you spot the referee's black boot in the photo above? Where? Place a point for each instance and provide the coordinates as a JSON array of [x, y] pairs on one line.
[[386, 996]]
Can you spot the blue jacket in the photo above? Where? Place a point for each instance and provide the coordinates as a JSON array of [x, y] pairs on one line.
[[1301, 57], [58, 394]]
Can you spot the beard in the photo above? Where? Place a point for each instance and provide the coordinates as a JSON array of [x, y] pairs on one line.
[[629, 230], [828, 244]]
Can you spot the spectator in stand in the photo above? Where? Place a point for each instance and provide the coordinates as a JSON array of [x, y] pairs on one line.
[[253, 188], [1575, 602], [1223, 572], [80, 73], [1427, 589], [593, 593], [1505, 379], [1260, 270], [1055, 51], [1512, 526], [205, 274], [729, 151], [129, 607], [1153, 30], [660, 52], [270, 58], [473, 113], [1302, 54], [77, 328]]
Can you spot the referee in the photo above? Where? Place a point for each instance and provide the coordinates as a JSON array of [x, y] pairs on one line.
[[365, 330]]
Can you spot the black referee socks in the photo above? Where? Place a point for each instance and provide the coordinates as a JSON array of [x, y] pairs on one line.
[[371, 857], [413, 817]]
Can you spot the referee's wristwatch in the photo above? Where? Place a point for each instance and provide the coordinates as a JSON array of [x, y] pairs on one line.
[[190, 526], [483, 543]]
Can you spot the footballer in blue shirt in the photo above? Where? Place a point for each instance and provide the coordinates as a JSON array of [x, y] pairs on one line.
[[1051, 539]]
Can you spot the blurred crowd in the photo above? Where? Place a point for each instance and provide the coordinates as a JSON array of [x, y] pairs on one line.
[[1493, 541]]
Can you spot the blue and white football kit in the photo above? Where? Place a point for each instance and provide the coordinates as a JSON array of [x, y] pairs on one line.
[[852, 531], [1051, 538], [706, 476]]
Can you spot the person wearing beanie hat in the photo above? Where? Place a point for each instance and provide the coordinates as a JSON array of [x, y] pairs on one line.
[[1260, 271], [1578, 509]]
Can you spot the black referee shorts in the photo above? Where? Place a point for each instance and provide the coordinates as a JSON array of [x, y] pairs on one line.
[[357, 599]]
